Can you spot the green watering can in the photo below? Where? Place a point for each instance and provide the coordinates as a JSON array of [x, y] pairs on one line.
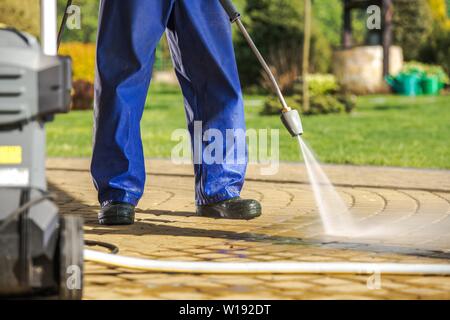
[[405, 84], [431, 85]]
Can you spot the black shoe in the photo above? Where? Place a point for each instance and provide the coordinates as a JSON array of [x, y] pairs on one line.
[[235, 208], [116, 213]]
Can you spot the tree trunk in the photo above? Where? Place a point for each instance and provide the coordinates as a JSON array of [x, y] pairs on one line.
[[305, 62]]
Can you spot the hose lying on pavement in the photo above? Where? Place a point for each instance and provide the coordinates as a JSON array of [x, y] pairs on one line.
[[264, 267]]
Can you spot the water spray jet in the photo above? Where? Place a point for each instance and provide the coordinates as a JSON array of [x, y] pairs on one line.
[[332, 209]]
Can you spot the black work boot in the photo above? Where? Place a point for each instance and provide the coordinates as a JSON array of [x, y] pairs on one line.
[[116, 213], [235, 208]]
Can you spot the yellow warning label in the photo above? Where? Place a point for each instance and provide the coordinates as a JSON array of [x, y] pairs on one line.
[[10, 154]]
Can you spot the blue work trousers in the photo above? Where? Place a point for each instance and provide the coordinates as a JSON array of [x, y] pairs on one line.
[[199, 36]]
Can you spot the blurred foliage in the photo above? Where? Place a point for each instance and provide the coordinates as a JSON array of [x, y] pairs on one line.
[[412, 26], [322, 83], [328, 19], [163, 61], [440, 10], [325, 97], [277, 26], [89, 18], [83, 59], [82, 95], [436, 49], [320, 104], [83, 68], [421, 27], [427, 70], [23, 15]]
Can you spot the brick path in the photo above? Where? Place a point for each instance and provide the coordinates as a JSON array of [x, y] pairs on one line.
[[411, 207]]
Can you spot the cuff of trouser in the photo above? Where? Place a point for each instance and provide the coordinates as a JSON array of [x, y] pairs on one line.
[[216, 198], [116, 195]]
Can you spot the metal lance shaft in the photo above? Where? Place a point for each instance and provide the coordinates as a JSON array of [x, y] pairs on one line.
[[290, 118], [263, 64]]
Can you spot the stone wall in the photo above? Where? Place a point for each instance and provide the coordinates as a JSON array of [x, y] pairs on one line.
[[359, 70]]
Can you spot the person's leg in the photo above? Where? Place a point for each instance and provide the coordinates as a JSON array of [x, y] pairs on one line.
[[199, 36], [129, 32]]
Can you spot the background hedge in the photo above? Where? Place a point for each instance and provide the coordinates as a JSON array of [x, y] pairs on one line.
[[83, 59], [422, 28], [23, 15]]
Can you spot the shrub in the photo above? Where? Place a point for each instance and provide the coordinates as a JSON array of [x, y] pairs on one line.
[[441, 48], [83, 59], [324, 104], [413, 24], [437, 48], [321, 104], [440, 10], [22, 15], [272, 104], [426, 69], [83, 95], [284, 63], [321, 84], [83, 68], [277, 30], [325, 97]]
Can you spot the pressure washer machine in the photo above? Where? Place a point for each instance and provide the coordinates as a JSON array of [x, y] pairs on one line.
[[41, 252]]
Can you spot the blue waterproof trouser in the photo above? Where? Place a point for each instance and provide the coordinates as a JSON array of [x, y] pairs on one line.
[[199, 36]]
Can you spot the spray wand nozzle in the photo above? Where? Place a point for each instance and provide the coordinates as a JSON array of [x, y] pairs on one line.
[[289, 117], [292, 122]]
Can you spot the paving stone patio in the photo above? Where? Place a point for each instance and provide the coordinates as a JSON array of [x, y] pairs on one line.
[[409, 208]]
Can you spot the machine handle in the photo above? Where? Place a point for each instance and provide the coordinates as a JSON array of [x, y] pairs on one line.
[[230, 10]]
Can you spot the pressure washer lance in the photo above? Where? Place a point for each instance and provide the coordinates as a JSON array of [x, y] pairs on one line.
[[289, 117]]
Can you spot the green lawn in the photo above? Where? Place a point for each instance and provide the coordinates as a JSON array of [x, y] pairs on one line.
[[383, 130]]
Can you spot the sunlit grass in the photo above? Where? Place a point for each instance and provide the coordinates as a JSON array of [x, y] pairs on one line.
[[383, 130]]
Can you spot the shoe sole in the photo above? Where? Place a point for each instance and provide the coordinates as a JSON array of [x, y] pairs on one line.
[[249, 213], [114, 220]]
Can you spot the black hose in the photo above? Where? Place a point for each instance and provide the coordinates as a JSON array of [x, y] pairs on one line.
[[113, 248], [63, 23], [27, 205]]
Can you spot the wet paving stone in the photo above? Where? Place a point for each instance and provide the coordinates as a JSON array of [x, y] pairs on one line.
[[407, 211]]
